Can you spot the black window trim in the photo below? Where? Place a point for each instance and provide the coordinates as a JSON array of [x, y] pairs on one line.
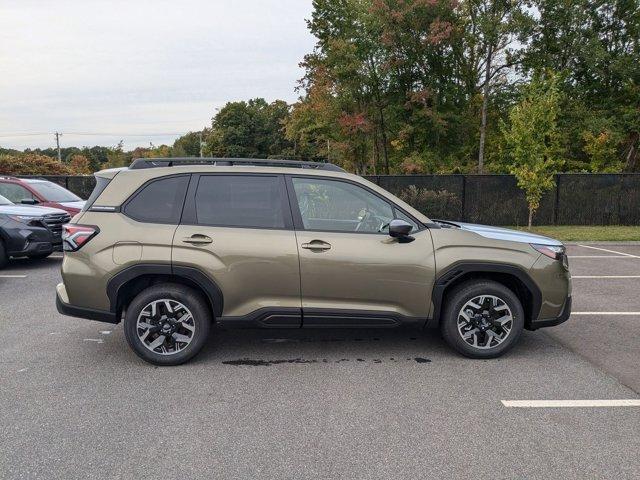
[[190, 217], [125, 204], [297, 217]]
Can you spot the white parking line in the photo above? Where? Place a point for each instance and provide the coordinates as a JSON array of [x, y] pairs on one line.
[[605, 313], [600, 256], [609, 251], [605, 276], [570, 403], [13, 276]]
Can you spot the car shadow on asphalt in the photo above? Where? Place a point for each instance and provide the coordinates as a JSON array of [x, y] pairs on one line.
[[262, 348], [27, 265]]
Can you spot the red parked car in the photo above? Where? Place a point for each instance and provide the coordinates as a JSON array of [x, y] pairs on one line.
[[35, 191]]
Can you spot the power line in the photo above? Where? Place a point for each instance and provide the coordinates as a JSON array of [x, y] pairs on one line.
[[92, 134], [10, 135]]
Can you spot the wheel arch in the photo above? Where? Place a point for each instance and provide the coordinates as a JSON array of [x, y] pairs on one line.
[[511, 276], [128, 283]]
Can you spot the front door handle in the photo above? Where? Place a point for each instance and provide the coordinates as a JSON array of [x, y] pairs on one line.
[[197, 239], [316, 245]]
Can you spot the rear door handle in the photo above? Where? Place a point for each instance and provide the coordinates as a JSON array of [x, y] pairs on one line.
[[197, 239], [316, 245]]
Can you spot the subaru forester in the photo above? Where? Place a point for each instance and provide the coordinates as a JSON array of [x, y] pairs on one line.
[[172, 246]]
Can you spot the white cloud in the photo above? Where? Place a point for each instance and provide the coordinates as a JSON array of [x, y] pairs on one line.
[[141, 66]]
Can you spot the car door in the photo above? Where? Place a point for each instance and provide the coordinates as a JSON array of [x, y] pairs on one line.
[[352, 272], [238, 230]]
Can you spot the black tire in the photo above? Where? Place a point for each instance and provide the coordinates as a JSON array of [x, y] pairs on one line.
[[4, 258], [39, 256], [459, 296], [188, 297]]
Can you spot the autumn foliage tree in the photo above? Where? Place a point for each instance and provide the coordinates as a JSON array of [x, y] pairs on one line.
[[32, 164]]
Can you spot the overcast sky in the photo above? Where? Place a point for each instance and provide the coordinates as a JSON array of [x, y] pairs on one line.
[[140, 67]]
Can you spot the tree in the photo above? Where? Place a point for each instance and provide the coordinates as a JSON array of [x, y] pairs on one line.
[[494, 32], [31, 164], [250, 129], [116, 157], [595, 46], [532, 137], [79, 165], [188, 145]]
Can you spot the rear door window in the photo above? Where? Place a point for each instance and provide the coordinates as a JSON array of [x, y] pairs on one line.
[[159, 201], [250, 201]]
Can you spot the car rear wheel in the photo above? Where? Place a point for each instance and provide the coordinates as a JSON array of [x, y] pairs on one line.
[[167, 324], [482, 319]]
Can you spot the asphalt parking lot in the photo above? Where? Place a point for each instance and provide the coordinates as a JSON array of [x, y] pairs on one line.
[[77, 403]]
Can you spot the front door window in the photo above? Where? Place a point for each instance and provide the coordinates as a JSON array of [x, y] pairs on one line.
[[334, 206]]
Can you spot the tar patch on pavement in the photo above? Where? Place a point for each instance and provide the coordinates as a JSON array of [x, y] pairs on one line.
[[250, 362]]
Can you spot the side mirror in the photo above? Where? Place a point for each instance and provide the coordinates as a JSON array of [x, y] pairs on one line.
[[29, 201], [400, 229]]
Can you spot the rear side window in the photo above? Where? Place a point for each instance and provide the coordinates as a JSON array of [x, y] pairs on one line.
[[101, 184], [253, 201], [159, 201]]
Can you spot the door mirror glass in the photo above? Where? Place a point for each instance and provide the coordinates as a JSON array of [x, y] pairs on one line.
[[400, 229], [29, 201]]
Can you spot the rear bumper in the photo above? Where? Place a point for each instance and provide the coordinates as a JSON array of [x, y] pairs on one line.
[[552, 322], [66, 308]]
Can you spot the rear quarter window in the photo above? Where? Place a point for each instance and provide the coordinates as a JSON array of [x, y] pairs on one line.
[[101, 184], [159, 201]]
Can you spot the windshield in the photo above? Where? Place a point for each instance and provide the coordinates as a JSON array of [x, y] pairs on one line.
[[52, 192], [4, 201]]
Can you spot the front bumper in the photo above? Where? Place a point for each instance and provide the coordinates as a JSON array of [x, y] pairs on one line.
[[65, 308], [552, 322], [24, 240]]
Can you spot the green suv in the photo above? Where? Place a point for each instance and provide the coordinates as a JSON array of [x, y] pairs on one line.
[[171, 246]]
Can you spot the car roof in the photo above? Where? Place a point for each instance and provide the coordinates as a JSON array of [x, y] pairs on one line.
[[10, 179], [126, 181], [144, 163]]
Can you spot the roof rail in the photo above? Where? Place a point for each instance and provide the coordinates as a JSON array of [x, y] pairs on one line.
[[140, 163]]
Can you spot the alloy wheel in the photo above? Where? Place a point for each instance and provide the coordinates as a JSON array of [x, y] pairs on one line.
[[485, 321], [165, 326]]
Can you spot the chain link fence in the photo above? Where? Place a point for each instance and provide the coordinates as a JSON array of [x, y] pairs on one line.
[[577, 199]]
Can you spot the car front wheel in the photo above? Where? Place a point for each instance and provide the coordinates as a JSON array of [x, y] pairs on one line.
[[482, 319], [167, 324]]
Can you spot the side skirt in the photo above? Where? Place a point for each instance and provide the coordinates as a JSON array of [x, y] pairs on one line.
[[320, 318]]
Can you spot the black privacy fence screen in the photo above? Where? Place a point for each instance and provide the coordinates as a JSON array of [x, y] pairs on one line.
[[577, 199]]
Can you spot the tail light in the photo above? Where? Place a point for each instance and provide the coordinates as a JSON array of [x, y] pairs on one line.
[[75, 236]]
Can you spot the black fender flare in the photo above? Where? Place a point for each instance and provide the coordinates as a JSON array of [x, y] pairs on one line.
[[195, 275], [459, 269]]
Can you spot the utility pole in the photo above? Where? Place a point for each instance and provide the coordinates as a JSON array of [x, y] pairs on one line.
[[58, 135], [201, 144]]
